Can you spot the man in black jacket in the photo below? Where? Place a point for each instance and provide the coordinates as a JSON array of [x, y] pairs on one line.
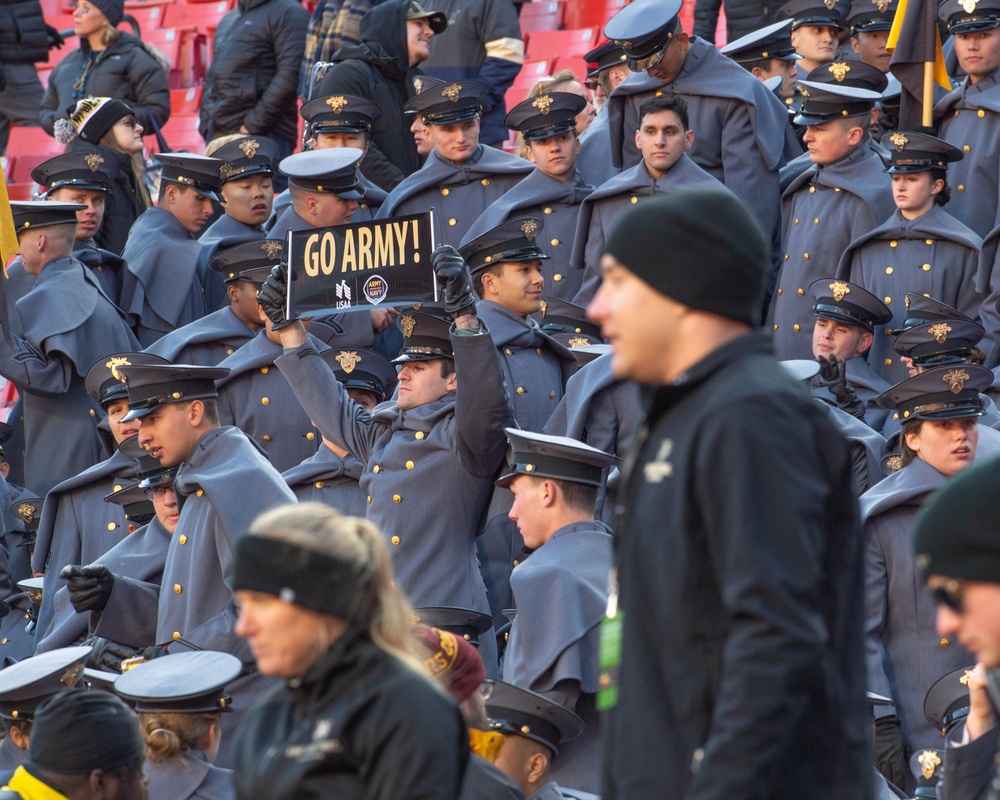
[[396, 38], [740, 554]]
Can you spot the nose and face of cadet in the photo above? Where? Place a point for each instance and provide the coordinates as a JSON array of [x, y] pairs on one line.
[[978, 53], [327, 209], [778, 68], [670, 64], [815, 43], [356, 139], [662, 140], [418, 40], [188, 207], [249, 200], [531, 497], [517, 288], [977, 626], [870, 47], [120, 430], [456, 141], [170, 431], [948, 445], [420, 136], [839, 339], [555, 156], [88, 221], [423, 382], [165, 506], [833, 140], [243, 303]]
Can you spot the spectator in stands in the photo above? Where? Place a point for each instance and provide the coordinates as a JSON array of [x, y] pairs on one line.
[[108, 63], [334, 23], [25, 40], [566, 81], [110, 128], [250, 86]]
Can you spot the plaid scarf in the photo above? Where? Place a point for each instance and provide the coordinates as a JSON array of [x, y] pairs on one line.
[[333, 24]]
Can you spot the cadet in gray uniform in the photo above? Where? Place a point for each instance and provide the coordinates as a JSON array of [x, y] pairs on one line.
[[664, 137], [23, 687], [920, 249], [245, 170], [162, 289], [553, 190], [461, 177], [905, 655], [969, 116], [428, 435], [50, 358], [77, 526], [870, 23], [843, 195], [331, 476], [216, 336], [225, 482], [561, 590], [609, 69], [180, 699], [18, 628], [339, 121], [816, 28], [846, 317], [534, 729], [738, 122]]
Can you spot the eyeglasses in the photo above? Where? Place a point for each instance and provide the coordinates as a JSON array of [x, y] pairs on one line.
[[130, 120], [949, 594], [158, 491]]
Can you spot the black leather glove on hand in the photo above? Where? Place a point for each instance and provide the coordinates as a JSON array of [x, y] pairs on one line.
[[89, 587], [273, 296], [55, 38], [455, 281], [107, 655], [892, 753], [153, 651], [834, 376]]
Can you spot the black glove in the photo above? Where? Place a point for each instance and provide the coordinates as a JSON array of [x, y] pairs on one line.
[[55, 38], [153, 651], [455, 282], [834, 376], [273, 296], [892, 753], [89, 587], [107, 655]]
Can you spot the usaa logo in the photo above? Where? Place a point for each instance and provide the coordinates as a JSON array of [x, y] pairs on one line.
[[375, 290]]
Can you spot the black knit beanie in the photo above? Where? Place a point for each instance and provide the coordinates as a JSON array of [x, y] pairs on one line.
[[700, 247]]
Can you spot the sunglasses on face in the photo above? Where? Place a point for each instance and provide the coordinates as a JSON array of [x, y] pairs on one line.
[[130, 120], [949, 595]]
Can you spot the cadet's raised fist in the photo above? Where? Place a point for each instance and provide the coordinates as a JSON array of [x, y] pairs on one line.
[[273, 296], [89, 587], [455, 281]]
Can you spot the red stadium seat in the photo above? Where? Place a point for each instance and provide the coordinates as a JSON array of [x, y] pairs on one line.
[[148, 16], [24, 163], [205, 16], [592, 13], [546, 15], [553, 44], [576, 65], [20, 191], [23, 141], [181, 133], [531, 72], [185, 101], [184, 47]]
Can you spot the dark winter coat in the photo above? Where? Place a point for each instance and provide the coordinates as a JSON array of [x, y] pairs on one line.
[[254, 70], [23, 39], [123, 205]]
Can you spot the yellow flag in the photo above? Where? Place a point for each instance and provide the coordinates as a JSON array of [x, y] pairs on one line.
[[8, 236]]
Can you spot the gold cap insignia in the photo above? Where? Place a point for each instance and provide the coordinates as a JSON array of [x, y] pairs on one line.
[[929, 761], [578, 341], [249, 147], [955, 378], [881, 5], [969, 5], [830, 4], [94, 160], [452, 91], [545, 308], [839, 69], [271, 248], [71, 677], [543, 102], [840, 290], [528, 228], [899, 140], [894, 463], [418, 85], [906, 302], [966, 677], [803, 91], [337, 103], [407, 323], [940, 332], [113, 365], [227, 171], [348, 360], [26, 511]]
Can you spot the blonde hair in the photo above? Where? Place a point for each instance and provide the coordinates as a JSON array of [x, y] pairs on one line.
[[170, 734], [219, 141], [550, 84], [325, 530], [111, 35]]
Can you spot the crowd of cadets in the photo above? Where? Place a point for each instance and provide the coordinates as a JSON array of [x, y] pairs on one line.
[[119, 520]]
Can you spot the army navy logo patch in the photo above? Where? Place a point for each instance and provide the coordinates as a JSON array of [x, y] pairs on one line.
[[375, 290], [249, 147], [113, 365], [337, 103], [94, 161], [348, 360], [543, 103]]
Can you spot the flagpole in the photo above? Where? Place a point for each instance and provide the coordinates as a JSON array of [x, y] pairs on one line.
[[928, 108]]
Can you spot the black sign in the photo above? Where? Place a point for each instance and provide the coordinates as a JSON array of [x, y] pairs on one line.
[[361, 266]]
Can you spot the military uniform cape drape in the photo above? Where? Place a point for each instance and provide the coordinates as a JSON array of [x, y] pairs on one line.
[[558, 204], [739, 125], [161, 290], [189, 776], [868, 385], [49, 363], [140, 556], [988, 285], [18, 558], [204, 342], [106, 266], [905, 655], [867, 445], [824, 209], [968, 117], [459, 193], [553, 791], [933, 255], [329, 479], [600, 210], [256, 398], [222, 234], [78, 527], [595, 145]]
